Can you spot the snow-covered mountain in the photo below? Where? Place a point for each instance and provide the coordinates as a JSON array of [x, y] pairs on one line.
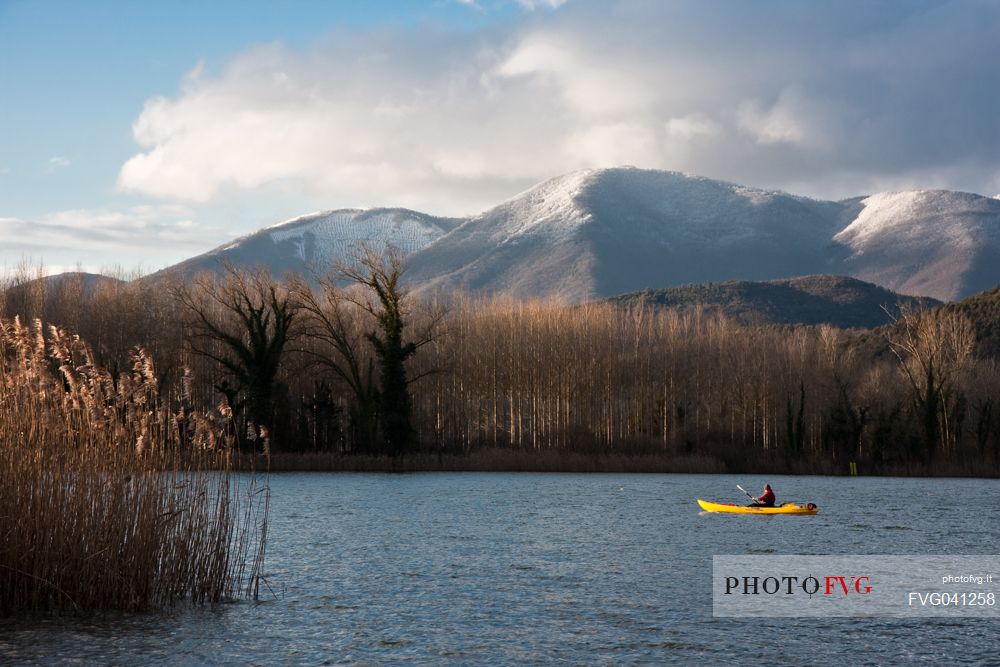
[[603, 232], [610, 231], [316, 242], [929, 242]]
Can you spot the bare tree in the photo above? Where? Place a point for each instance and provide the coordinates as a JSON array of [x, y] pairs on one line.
[[383, 296], [330, 320], [243, 322], [932, 347]]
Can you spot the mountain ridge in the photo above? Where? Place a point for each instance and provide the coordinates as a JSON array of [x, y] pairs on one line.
[[600, 232], [316, 241], [808, 300]]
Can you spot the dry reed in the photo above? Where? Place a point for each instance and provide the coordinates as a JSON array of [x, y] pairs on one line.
[[110, 500]]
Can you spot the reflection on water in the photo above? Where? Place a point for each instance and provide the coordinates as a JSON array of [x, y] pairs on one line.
[[536, 569]]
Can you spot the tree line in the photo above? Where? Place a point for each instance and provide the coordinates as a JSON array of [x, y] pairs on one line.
[[354, 363]]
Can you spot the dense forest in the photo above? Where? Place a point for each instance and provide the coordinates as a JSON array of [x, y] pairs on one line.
[[351, 369]]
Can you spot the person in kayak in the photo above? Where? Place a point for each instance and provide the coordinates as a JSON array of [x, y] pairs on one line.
[[765, 499]]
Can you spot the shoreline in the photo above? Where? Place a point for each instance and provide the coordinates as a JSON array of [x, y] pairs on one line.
[[555, 461]]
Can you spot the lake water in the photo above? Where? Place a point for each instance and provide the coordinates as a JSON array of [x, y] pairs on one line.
[[521, 569]]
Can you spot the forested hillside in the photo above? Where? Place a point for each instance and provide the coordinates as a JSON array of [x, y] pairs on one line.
[[835, 300]]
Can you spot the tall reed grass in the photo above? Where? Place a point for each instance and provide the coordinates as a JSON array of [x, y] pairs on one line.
[[109, 498]]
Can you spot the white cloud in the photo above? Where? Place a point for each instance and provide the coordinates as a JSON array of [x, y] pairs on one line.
[[541, 4], [779, 124], [529, 5], [691, 127], [90, 236], [616, 143], [795, 120], [461, 165], [588, 85], [766, 94], [56, 163], [359, 130]]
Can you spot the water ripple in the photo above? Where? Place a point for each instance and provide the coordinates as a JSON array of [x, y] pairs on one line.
[[521, 569]]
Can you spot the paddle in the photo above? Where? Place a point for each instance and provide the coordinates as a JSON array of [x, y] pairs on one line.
[[746, 492]]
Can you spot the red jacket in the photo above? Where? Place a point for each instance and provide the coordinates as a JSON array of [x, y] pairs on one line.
[[766, 498]]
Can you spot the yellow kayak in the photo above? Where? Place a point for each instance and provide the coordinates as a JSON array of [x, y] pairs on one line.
[[730, 508]]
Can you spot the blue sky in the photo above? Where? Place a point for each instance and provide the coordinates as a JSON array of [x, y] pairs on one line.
[[74, 76], [140, 133]]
